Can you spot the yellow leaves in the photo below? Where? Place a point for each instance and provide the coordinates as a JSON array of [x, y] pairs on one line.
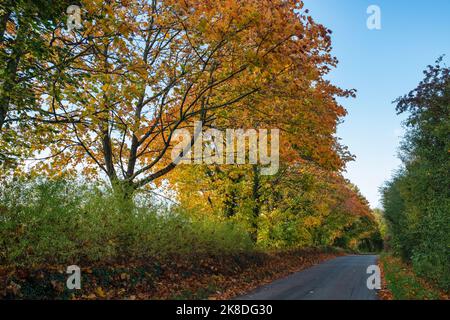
[[100, 292], [105, 87], [311, 222], [248, 48], [91, 6], [124, 29], [140, 68]]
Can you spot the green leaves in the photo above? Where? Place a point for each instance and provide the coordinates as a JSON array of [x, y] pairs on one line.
[[417, 200]]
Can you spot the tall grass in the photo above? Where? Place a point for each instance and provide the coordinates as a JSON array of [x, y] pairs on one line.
[[64, 221], [404, 283]]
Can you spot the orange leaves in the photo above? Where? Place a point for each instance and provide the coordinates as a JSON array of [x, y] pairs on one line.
[[145, 69], [141, 71]]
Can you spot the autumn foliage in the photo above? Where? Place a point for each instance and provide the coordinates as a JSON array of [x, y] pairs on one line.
[[88, 118]]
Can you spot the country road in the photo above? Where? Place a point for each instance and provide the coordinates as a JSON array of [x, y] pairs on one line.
[[343, 278]]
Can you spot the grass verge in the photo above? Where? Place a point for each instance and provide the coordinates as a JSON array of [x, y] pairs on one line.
[[401, 283]]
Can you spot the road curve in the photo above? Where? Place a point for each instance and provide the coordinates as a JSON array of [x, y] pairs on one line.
[[343, 278]]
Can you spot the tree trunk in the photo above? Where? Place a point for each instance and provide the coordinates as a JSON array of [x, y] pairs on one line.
[[256, 195], [231, 203], [123, 189], [10, 76], [3, 22]]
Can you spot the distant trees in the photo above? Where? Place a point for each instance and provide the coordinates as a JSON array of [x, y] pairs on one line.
[[303, 205], [417, 200]]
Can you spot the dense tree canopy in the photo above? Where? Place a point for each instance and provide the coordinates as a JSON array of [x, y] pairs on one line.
[[146, 68], [417, 200], [106, 100], [27, 52]]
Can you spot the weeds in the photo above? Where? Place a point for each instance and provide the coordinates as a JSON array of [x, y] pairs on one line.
[[50, 222]]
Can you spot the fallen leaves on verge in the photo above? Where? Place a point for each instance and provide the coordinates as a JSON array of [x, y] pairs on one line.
[[181, 277]]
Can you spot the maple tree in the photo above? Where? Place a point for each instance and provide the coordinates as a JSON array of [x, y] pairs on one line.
[[115, 92], [298, 101], [106, 100], [300, 206], [302, 104], [154, 67]]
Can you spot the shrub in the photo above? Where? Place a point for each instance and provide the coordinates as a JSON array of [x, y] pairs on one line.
[[66, 221]]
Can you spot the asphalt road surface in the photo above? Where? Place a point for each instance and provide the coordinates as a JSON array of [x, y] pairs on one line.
[[343, 278]]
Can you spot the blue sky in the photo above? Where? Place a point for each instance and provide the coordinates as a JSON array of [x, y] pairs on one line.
[[382, 65]]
